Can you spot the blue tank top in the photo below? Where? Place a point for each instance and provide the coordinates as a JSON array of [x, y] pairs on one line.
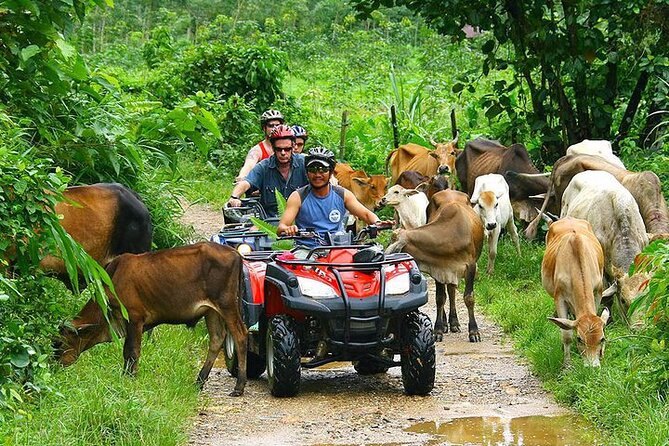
[[323, 215]]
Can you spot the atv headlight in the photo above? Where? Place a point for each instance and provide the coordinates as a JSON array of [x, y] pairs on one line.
[[398, 284], [316, 289], [244, 248]]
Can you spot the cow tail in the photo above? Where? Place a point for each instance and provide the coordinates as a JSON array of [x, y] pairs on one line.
[[388, 160]]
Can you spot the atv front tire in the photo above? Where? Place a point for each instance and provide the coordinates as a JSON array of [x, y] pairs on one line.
[[417, 354], [283, 357], [255, 364]]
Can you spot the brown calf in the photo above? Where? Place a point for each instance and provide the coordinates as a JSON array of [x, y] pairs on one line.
[[572, 272], [172, 286]]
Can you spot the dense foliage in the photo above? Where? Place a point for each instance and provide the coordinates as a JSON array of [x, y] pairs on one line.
[[573, 65]]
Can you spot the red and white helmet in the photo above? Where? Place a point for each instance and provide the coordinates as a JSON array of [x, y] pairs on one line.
[[281, 131]]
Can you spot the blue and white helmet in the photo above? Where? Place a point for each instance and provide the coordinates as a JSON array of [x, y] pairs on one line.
[[300, 132]]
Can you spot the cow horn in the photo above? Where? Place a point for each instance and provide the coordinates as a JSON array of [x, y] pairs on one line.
[[457, 136], [533, 175], [547, 218], [610, 291], [422, 187], [433, 142], [541, 196]]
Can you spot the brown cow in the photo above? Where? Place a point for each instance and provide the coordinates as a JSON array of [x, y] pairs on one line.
[[483, 156], [106, 220], [412, 179], [172, 286], [571, 272], [447, 249], [369, 190], [427, 162], [645, 187]]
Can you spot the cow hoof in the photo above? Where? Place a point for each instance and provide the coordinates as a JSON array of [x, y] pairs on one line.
[[474, 336], [455, 328], [438, 337], [236, 393]]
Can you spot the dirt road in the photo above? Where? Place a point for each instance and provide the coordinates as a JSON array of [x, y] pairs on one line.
[[337, 406]]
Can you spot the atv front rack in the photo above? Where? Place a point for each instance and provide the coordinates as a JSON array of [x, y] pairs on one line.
[[379, 317]]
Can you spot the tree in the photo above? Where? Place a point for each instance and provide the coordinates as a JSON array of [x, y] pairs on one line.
[[580, 62]]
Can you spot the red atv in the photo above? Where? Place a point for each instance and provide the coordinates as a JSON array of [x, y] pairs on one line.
[[351, 302]]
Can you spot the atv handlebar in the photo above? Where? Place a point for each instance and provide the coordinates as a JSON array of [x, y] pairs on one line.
[[370, 231]]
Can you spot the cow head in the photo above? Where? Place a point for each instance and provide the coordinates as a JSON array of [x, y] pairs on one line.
[[396, 195], [589, 335], [486, 206], [435, 184], [79, 336], [445, 154], [369, 191]]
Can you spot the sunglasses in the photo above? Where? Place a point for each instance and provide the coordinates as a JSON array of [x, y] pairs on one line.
[[283, 149], [318, 169]]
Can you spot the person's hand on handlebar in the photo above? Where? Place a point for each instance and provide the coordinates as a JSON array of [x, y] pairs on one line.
[[287, 230], [384, 223], [234, 202]]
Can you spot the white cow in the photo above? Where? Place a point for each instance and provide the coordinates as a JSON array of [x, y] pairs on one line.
[[410, 204], [601, 148], [492, 203], [596, 196]]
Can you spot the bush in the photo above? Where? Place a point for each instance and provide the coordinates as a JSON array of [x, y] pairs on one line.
[[250, 71]]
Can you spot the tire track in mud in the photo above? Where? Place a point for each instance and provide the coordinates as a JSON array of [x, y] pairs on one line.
[[337, 406]]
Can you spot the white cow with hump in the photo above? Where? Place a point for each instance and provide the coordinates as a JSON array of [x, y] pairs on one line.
[[492, 203], [596, 196], [601, 148]]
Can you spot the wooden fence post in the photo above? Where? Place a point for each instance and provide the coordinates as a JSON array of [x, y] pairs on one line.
[[342, 135]]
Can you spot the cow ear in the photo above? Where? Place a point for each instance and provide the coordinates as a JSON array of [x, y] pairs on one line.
[[410, 192], [565, 324], [361, 181], [605, 315], [423, 187]]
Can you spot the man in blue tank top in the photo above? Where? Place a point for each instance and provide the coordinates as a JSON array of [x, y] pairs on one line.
[[320, 205]]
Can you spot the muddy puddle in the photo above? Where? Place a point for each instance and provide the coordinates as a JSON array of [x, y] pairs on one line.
[[567, 430]]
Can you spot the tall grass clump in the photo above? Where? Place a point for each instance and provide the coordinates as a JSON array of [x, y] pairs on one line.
[[97, 403]]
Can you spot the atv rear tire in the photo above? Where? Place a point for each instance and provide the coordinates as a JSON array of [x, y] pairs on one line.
[[283, 357], [369, 366], [417, 354], [255, 364]]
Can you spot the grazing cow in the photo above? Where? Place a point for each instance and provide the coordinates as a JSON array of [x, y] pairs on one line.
[[571, 272], [427, 162], [597, 197], [447, 248], [107, 220], [483, 156], [645, 187], [600, 148], [369, 190], [410, 204], [172, 286], [491, 202]]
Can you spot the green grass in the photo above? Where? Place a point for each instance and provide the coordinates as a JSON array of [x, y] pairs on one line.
[[97, 404], [624, 397]]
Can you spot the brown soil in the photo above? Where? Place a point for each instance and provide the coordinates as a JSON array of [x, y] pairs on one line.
[[337, 406]]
